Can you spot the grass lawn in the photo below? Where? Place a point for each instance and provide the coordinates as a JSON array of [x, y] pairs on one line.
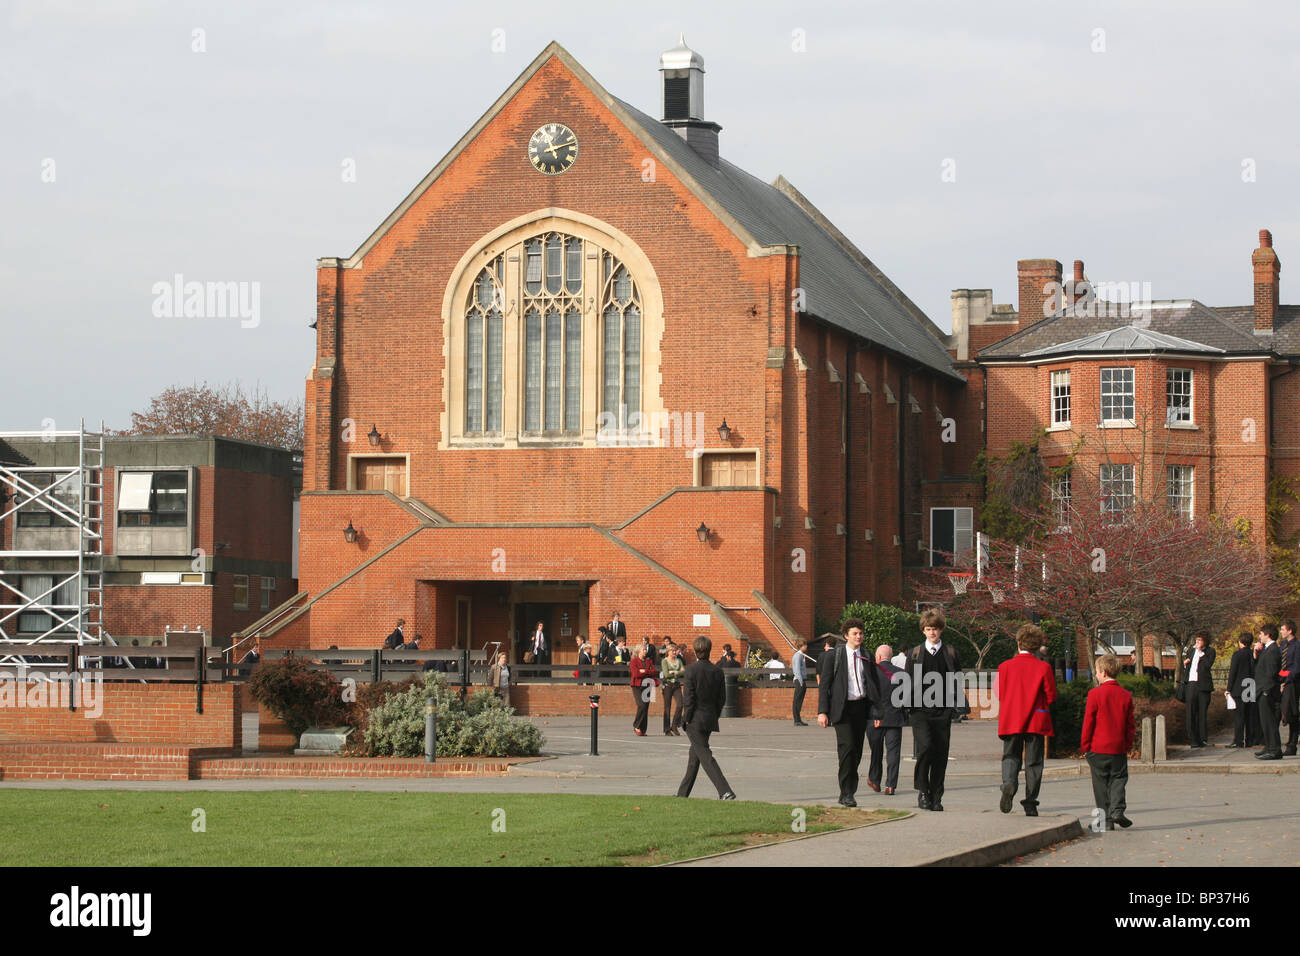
[[295, 828]]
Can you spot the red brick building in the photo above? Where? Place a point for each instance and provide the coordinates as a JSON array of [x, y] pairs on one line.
[[522, 378], [198, 532], [1167, 400]]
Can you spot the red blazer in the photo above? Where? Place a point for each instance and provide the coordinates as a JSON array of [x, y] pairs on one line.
[[1108, 724], [1026, 688], [642, 669]]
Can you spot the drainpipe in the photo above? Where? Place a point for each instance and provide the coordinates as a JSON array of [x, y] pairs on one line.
[[854, 349]]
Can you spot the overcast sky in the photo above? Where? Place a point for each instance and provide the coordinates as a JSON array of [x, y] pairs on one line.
[[1152, 140]]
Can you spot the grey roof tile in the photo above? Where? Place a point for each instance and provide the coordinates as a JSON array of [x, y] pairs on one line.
[[838, 288]]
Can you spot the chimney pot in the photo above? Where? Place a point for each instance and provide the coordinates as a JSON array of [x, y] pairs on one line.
[[1265, 239], [1078, 270]]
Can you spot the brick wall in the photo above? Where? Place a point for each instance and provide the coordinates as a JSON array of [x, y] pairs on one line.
[[133, 713]]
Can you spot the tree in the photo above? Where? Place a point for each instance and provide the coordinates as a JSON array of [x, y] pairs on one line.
[[225, 410], [1150, 570]]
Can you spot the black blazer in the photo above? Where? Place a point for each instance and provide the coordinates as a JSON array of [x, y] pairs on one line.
[[1238, 671], [1204, 682], [617, 629], [1267, 667], [883, 708], [584, 659], [833, 683], [394, 640], [704, 691]]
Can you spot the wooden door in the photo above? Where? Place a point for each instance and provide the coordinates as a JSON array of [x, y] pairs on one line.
[[381, 474], [720, 471]]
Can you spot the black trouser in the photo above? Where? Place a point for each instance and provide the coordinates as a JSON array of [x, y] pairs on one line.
[[1268, 717], [1254, 736], [701, 756], [642, 697], [848, 742], [672, 691], [1109, 778], [892, 740], [1198, 709], [931, 732], [1033, 746], [1291, 714], [800, 688], [1240, 722]]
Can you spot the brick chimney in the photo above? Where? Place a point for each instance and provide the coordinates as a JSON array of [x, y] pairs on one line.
[[1039, 281], [1267, 268]]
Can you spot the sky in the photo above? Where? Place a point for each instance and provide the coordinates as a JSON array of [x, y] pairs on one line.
[[237, 142]]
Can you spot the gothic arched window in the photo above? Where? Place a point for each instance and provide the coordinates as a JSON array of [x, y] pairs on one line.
[[485, 351]]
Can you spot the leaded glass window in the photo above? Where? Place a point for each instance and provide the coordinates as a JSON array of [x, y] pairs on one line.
[[484, 350]]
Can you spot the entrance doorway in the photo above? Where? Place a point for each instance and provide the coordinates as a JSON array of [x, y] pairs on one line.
[[562, 609]]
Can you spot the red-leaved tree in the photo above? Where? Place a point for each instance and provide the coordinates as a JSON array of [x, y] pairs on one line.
[[225, 410]]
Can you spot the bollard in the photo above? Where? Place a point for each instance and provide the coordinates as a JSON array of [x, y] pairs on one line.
[[1148, 741], [430, 733], [595, 723], [1162, 741]]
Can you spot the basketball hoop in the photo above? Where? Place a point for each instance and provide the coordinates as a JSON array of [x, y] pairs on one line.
[[997, 593], [960, 580]]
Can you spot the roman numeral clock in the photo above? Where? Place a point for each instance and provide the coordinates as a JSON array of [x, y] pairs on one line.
[[552, 149]]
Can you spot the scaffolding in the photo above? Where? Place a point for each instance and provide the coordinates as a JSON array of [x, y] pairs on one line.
[[70, 610]]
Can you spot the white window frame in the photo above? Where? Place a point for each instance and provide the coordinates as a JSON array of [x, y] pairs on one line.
[[268, 588], [1107, 390], [1171, 375], [1185, 484], [958, 552], [1127, 475], [1060, 397], [1114, 633], [235, 594], [1061, 502]]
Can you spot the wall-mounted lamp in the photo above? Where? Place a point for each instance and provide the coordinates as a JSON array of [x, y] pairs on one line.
[[374, 436], [703, 532], [724, 431], [350, 533]]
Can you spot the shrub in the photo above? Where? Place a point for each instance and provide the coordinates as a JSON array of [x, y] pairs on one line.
[[298, 695], [1143, 687], [1067, 716], [480, 726]]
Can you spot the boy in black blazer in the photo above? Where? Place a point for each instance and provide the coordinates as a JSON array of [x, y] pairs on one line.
[[703, 694]]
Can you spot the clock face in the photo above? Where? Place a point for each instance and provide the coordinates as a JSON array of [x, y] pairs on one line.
[[553, 149]]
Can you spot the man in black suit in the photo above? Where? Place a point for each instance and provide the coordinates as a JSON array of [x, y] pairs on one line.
[[1199, 687], [846, 690], [1239, 670], [617, 629], [1268, 693], [605, 653], [1290, 650], [936, 681], [397, 638], [704, 691], [885, 730]]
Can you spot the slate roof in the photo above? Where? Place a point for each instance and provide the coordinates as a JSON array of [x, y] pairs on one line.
[[1196, 325], [839, 288], [1126, 338]]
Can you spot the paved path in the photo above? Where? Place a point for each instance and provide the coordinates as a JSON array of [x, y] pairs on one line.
[[1219, 807]]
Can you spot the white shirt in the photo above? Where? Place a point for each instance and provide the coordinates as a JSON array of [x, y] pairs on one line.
[[933, 648], [855, 672], [1196, 659]]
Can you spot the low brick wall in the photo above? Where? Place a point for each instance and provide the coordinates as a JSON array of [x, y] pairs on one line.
[[273, 734], [129, 713], [53, 760], [240, 768]]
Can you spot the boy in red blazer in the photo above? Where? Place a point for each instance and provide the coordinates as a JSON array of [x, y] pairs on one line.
[[1025, 689], [1108, 731]]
